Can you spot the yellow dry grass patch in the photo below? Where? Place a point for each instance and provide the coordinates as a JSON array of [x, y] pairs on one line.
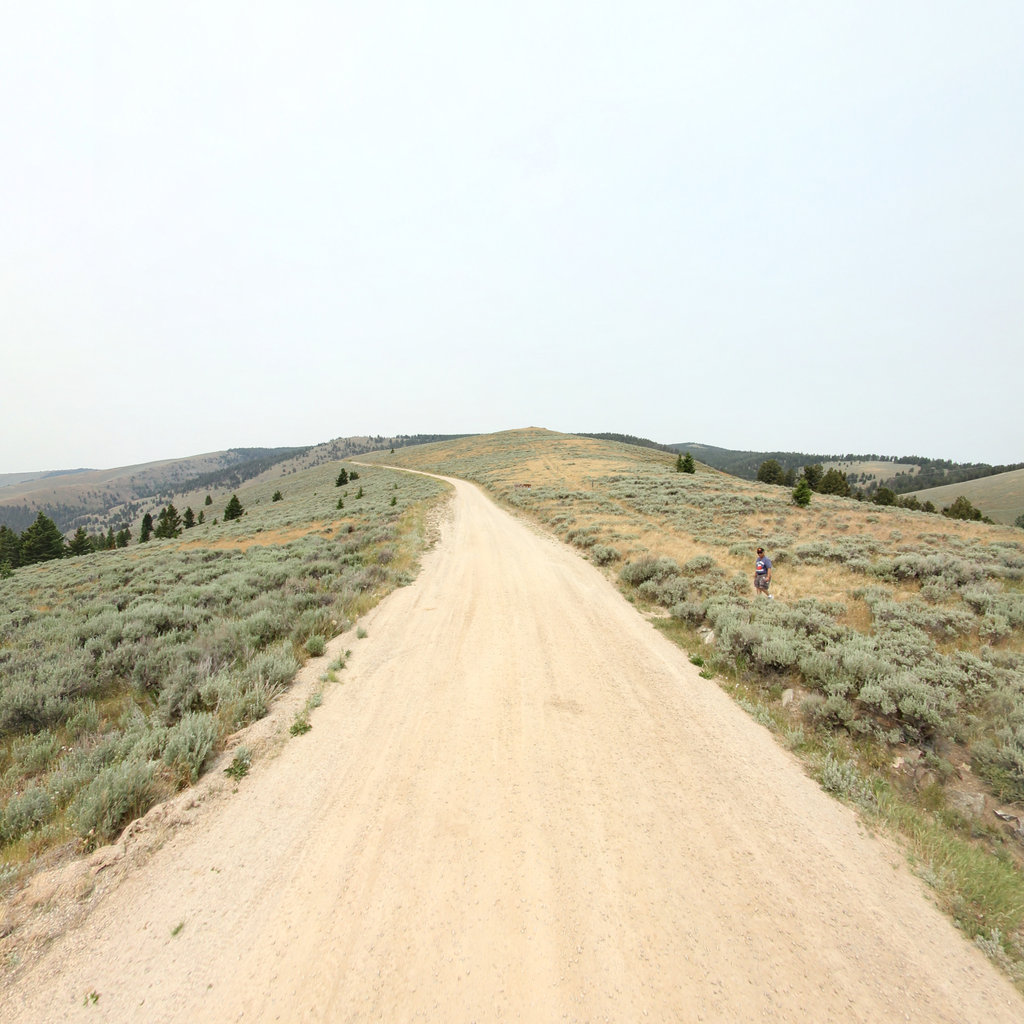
[[267, 538]]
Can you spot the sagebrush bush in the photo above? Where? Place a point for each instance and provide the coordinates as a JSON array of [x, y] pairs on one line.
[[1000, 761], [604, 554], [647, 568], [844, 780], [24, 812], [119, 793], [187, 745]]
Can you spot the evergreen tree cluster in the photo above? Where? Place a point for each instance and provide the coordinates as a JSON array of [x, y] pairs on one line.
[[929, 472], [43, 542], [814, 479], [640, 442]]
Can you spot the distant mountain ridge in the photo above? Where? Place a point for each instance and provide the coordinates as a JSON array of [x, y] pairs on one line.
[[111, 498], [909, 472], [100, 499], [13, 479]]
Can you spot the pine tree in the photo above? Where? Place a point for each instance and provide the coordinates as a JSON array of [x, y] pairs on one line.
[[834, 482], [147, 528], [202, 517], [168, 523], [189, 519], [234, 509], [689, 466], [802, 492], [123, 536], [41, 542], [110, 543], [770, 472], [962, 509], [278, 496], [209, 500], [10, 547], [813, 475], [342, 478], [80, 543], [679, 463]]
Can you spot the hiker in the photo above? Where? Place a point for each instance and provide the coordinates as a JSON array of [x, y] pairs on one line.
[[762, 573]]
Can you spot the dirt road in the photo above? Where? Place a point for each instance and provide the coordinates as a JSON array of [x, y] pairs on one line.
[[522, 804]]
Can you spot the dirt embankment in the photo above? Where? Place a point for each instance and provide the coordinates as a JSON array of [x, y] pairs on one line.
[[522, 803]]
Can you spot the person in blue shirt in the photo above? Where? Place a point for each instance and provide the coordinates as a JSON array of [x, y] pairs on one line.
[[762, 573]]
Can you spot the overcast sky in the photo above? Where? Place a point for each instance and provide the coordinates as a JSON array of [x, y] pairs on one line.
[[760, 225]]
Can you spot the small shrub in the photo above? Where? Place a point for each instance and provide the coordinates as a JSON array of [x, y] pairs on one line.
[[698, 564], [647, 568], [842, 779], [315, 646], [1002, 767], [240, 764]]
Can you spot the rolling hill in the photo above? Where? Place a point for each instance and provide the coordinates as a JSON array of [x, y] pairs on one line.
[[98, 499], [1000, 497]]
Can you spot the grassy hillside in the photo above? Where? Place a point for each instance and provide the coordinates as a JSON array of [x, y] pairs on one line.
[[98, 499], [865, 472], [1000, 497], [891, 660], [122, 671]]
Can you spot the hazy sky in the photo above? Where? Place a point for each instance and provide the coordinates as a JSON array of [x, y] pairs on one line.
[[765, 225]]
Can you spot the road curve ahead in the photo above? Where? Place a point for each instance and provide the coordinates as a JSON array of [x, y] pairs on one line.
[[524, 804]]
